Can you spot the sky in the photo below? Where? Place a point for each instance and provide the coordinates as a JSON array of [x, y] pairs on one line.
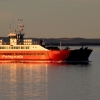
[[52, 18]]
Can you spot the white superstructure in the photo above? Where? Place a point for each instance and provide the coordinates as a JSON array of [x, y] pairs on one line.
[[17, 42]]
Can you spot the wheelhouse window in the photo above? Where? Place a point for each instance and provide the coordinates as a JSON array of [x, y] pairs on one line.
[[12, 37]]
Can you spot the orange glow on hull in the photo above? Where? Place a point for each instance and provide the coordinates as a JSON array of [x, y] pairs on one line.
[[51, 55]]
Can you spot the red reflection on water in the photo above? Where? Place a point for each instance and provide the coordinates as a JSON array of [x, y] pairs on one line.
[[51, 63]]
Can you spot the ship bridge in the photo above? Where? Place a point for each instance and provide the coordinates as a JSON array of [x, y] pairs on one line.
[[13, 38], [17, 36]]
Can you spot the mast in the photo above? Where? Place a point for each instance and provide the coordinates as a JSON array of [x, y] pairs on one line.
[[10, 28], [20, 34], [21, 26]]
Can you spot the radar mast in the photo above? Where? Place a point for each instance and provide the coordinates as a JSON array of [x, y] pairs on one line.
[[21, 26]]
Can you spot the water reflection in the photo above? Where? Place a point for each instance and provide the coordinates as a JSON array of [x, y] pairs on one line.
[[19, 81], [28, 81]]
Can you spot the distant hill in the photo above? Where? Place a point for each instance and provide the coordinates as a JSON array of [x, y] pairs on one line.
[[65, 41], [71, 41]]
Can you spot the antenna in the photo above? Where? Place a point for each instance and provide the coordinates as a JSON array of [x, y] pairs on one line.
[[10, 28], [13, 22]]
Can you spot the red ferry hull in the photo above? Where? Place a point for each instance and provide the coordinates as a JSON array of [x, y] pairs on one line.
[[51, 55]]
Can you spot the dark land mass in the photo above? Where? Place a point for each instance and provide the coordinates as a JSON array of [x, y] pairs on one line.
[[65, 41]]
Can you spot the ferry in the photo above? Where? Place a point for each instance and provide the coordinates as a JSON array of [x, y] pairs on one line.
[[20, 49]]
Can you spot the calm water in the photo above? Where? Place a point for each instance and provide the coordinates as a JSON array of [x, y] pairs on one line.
[[24, 81]]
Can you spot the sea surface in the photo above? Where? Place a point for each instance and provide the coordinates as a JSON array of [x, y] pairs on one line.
[[51, 81]]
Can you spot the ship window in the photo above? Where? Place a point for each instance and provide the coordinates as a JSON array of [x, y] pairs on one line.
[[38, 53], [2, 47], [14, 47], [15, 53], [42, 53], [27, 47], [6, 47], [22, 47], [45, 53], [11, 47], [26, 54], [23, 53], [8, 53], [34, 47], [18, 47], [12, 37], [34, 54]]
